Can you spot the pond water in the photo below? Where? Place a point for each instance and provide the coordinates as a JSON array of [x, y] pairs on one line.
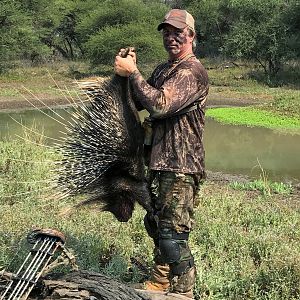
[[229, 149], [243, 150]]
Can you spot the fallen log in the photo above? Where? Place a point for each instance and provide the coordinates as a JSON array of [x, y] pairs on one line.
[[94, 286], [87, 285]]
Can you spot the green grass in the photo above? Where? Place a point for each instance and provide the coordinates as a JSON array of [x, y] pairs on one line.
[[243, 246], [254, 117], [288, 105], [265, 187], [246, 245], [276, 107], [43, 82], [24, 170]]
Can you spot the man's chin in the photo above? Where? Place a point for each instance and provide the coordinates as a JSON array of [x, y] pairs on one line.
[[173, 53]]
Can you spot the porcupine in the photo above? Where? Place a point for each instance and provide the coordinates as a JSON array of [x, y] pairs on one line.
[[103, 151]]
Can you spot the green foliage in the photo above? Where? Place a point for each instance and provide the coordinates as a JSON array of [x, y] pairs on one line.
[[54, 24], [261, 32], [42, 30], [212, 20], [97, 16], [102, 47], [111, 26], [17, 36], [264, 31]]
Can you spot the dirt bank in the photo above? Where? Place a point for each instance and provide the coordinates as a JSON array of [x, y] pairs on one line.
[[19, 104], [14, 104]]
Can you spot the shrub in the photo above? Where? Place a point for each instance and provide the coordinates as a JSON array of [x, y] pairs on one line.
[[102, 47]]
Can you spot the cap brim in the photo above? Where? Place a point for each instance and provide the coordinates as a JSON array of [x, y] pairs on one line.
[[174, 23]]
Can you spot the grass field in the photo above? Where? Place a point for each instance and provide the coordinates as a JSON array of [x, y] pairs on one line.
[[243, 82], [246, 238]]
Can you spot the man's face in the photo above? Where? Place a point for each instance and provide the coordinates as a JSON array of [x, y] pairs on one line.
[[176, 41]]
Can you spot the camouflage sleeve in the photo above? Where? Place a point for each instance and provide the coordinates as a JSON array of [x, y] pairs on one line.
[[134, 95], [135, 99], [175, 93]]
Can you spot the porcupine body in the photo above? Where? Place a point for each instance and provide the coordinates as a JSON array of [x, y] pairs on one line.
[[103, 152]]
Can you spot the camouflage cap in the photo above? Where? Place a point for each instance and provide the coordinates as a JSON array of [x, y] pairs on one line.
[[178, 18]]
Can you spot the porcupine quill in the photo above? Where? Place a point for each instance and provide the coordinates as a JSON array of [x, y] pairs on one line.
[[103, 151]]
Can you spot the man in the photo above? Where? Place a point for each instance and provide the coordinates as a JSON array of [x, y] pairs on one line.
[[175, 97]]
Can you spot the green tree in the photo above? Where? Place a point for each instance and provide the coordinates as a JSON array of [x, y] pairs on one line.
[[262, 31], [265, 31], [213, 21], [113, 24], [54, 24], [103, 46], [292, 19], [17, 36]]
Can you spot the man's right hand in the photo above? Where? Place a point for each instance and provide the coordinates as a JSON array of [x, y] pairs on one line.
[[125, 66], [131, 52]]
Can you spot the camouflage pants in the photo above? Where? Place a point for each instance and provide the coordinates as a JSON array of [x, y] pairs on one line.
[[174, 197]]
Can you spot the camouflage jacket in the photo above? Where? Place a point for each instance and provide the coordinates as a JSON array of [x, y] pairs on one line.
[[177, 138]]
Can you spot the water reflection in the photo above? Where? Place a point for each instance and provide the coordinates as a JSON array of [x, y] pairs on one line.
[[229, 149], [43, 122], [240, 150]]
